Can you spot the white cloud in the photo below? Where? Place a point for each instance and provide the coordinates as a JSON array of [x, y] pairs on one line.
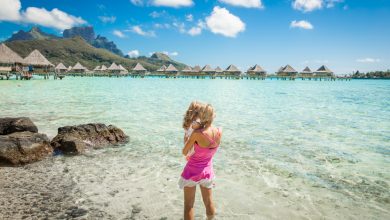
[[368, 60], [307, 5], [138, 30], [244, 3], [221, 21], [133, 53], [107, 19], [180, 26], [301, 24], [173, 3], [10, 11], [332, 3], [197, 30], [119, 34], [173, 54], [189, 17]]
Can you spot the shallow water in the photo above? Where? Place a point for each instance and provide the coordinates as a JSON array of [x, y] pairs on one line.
[[291, 149]]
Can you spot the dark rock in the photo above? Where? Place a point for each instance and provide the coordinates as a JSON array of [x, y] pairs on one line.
[[87, 33], [24, 147], [75, 139], [104, 43], [11, 125]]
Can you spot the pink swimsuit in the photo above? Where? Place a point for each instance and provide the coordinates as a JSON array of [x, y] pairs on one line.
[[199, 168]]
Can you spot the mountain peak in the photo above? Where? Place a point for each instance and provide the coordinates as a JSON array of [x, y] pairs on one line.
[[160, 56], [35, 33]]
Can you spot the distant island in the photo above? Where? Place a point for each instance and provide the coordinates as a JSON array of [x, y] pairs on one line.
[[372, 75]]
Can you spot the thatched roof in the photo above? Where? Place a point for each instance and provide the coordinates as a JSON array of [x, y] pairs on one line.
[[280, 69], [8, 56], [139, 67], [306, 70], [218, 70], [232, 68], [196, 69], [324, 69], [187, 69], [61, 66], [78, 66], [69, 68], [207, 68], [171, 68], [103, 68], [162, 68], [97, 68], [288, 69], [114, 67], [35, 58], [256, 69]]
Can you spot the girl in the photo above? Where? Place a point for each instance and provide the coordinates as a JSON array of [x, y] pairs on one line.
[[199, 168]]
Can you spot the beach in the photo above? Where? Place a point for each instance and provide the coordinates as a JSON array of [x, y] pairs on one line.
[[290, 150]]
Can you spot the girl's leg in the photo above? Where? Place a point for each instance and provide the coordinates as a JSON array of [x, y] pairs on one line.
[[208, 201], [189, 200]]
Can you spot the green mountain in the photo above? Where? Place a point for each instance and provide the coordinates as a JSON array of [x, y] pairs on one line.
[[72, 50], [34, 34]]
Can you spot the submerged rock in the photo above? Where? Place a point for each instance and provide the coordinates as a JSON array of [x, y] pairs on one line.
[[11, 125], [24, 147], [76, 139]]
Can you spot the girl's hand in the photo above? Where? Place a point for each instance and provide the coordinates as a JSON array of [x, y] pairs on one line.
[[188, 158]]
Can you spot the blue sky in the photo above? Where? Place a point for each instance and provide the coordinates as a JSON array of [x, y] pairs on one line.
[[345, 35]]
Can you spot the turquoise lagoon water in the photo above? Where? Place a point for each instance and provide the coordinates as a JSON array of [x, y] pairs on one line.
[[291, 149]]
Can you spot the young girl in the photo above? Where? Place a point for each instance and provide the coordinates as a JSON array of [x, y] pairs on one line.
[[191, 122], [199, 168]]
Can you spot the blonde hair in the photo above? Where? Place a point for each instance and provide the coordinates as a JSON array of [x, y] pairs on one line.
[[206, 115], [191, 114]]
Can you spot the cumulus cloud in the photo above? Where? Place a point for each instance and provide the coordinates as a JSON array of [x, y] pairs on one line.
[[138, 30], [307, 5], [173, 3], [119, 34], [107, 19], [301, 24], [368, 60], [189, 17], [197, 30], [221, 21], [173, 54], [133, 53], [244, 3], [10, 11]]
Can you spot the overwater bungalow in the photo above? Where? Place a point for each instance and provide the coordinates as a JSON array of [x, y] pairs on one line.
[[60, 68], [139, 69], [256, 70], [232, 71], [196, 69], [78, 68], [287, 71], [187, 70], [208, 70], [37, 63], [103, 68], [171, 69], [96, 69], [218, 71], [323, 71], [9, 61], [123, 70], [307, 73], [114, 69], [161, 70]]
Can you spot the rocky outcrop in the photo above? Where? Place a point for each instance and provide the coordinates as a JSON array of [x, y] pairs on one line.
[[11, 125], [87, 33], [76, 139], [20, 142]]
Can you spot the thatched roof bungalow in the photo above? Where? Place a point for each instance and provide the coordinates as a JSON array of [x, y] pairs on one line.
[[208, 70], [139, 69], [162, 69], [114, 68], [232, 70], [196, 69], [103, 68], [97, 69], [8, 56], [36, 59], [187, 70], [256, 70], [60, 68], [123, 70], [171, 69], [324, 71], [218, 70], [287, 71], [78, 68], [306, 72]]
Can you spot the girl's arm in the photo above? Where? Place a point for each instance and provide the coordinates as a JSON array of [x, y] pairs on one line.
[[190, 142]]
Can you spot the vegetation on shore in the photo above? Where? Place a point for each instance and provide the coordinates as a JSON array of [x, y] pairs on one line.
[[372, 75]]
